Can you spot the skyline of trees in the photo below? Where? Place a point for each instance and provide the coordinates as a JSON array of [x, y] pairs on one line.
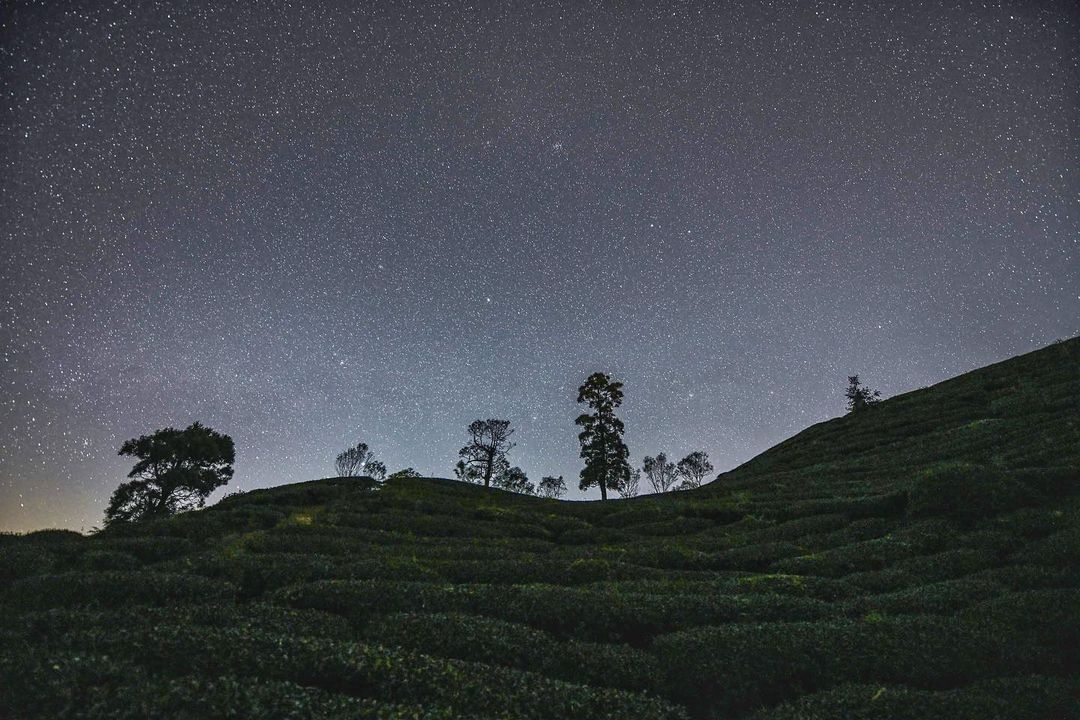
[[177, 469]]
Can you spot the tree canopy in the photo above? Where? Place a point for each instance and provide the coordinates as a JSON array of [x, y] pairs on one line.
[[176, 471], [359, 461], [489, 441], [858, 396], [602, 446]]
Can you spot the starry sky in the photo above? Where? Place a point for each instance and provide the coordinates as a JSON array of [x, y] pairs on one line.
[[310, 224]]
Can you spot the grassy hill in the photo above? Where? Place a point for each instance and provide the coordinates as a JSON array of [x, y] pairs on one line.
[[917, 560]]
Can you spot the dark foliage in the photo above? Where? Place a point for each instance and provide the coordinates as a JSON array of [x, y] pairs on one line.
[[836, 576], [176, 471], [606, 456]]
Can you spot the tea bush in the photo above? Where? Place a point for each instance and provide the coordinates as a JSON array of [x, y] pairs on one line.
[[104, 589]]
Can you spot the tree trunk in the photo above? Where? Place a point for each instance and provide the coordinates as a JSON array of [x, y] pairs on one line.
[[603, 490]]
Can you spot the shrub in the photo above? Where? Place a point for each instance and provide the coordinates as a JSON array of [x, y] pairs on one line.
[[1026, 698], [1047, 618], [886, 505], [940, 598], [799, 528], [838, 562], [496, 642], [1061, 549], [147, 549], [734, 668], [948, 564], [106, 560], [20, 560], [50, 625], [97, 687], [966, 493], [105, 589], [754, 557], [1056, 482], [367, 671], [602, 614]]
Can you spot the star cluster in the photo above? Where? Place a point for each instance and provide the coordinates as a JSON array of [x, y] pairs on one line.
[[312, 223]]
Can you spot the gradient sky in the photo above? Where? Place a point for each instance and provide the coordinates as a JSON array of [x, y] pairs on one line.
[[309, 224]]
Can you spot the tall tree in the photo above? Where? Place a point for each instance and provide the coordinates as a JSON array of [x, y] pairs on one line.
[[551, 487], [176, 471], [489, 441], [693, 469], [660, 472], [602, 446], [858, 396], [629, 488]]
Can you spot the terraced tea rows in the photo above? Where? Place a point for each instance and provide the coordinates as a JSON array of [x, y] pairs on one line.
[[922, 560]]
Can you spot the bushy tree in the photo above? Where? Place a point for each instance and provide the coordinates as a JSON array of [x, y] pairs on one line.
[[176, 471], [693, 469], [514, 480], [403, 473], [660, 472], [375, 469], [489, 441], [466, 473], [629, 488], [859, 397], [551, 487], [602, 446], [354, 461]]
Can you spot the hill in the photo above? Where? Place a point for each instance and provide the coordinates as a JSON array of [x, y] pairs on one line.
[[917, 560]]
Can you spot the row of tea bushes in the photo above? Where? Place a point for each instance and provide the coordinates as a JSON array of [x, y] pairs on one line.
[[496, 642], [735, 668], [362, 671], [597, 613], [108, 589], [1033, 697]]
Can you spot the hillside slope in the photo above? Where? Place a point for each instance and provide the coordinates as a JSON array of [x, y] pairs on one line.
[[919, 560], [1022, 412]]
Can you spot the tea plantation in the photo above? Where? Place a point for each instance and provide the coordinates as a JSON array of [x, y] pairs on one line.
[[919, 559]]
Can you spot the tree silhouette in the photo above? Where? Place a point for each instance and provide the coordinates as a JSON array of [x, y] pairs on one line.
[[514, 480], [466, 473], [551, 487], [660, 472], [859, 397], [404, 473], [356, 461], [375, 469], [489, 441], [602, 446], [693, 469], [176, 470], [629, 488]]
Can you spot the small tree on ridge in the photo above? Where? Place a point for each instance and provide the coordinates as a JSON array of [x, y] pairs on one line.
[[176, 471], [660, 472], [489, 441], [693, 469], [858, 396]]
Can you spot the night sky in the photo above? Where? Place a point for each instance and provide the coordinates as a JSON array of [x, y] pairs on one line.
[[307, 225]]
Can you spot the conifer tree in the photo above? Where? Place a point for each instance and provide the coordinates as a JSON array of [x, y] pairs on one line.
[[602, 446]]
